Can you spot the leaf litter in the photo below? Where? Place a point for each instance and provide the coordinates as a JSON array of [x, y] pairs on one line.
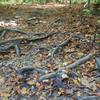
[[63, 62]]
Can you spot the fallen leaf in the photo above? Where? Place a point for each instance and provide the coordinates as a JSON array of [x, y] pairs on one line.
[[78, 93], [65, 64], [31, 82], [75, 81], [24, 90]]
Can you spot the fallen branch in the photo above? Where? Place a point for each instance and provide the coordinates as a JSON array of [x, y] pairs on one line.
[[80, 61]]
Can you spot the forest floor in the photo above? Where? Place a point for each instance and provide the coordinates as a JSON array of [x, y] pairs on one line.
[[49, 52]]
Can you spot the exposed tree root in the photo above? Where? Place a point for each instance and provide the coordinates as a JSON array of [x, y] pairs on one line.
[[80, 61], [3, 32], [48, 76], [28, 69], [60, 46], [73, 65], [7, 44]]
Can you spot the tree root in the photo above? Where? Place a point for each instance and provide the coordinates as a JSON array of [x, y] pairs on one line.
[[3, 32], [4, 48], [48, 76], [73, 65], [90, 98], [80, 61], [60, 46], [7, 44], [28, 69]]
